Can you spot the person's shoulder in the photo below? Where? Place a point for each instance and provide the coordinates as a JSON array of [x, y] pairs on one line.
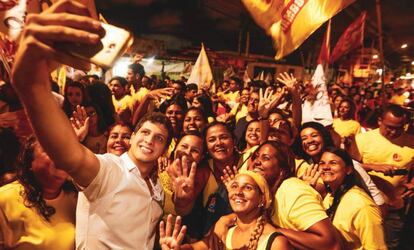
[[10, 190], [294, 187], [358, 198], [367, 137]]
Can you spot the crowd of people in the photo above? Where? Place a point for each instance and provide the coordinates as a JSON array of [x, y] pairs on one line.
[[140, 162]]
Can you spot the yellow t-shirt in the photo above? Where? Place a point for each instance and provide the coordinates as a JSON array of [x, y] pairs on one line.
[[138, 96], [239, 114], [23, 228], [375, 148], [398, 99], [346, 128], [358, 220], [297, 205], [124, 103]]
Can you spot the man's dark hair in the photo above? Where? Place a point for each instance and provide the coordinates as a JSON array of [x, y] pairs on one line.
[[191, 86], [137, 69], [120, 79], [159, 118]]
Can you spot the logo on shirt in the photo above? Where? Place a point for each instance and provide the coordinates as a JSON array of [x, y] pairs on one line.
[[397, 157]]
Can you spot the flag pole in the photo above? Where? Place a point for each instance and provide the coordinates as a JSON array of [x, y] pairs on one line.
[[381, 48]]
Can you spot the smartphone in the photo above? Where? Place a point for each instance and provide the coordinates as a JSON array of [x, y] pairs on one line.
[[113, 45]]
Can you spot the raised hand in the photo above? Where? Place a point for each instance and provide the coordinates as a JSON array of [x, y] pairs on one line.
[[228, 175], [80, 122], [182, 174], [312, 174], [267, 101], [171, 238], [288, 79], [162, 163], [63, 22]]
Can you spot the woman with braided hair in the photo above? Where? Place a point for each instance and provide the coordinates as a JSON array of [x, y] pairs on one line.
[[37, 211], [250, 199]]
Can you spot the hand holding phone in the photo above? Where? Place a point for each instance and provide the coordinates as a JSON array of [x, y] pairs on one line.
[[115, 42]]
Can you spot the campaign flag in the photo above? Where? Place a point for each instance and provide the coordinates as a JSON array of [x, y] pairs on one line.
[[318, 110], [352, 38], [201, 73], [324, 53], [291, 22]]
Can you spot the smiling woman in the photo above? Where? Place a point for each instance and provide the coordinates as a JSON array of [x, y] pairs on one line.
[[250, 199], [360, 225]]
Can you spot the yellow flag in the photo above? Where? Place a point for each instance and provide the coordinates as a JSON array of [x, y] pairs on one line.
[[291, 22]]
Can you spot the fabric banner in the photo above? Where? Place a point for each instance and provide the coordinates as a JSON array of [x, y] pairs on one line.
[[320, 109], [291, 22], [352, 38], [201, 73]]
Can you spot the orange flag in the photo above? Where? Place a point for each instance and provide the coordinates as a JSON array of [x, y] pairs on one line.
[[291, 22], [352, 38]]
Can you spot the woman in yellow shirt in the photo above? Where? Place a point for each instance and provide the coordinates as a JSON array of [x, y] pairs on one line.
[[37, 211], [345, 124], [349, 204]]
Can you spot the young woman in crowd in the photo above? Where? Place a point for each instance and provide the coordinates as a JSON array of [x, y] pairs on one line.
[[348, 203], [174, 110], [190, 149], [345, 124], [118, 138], [75, 95], [312, 141], [250, 140], [250, 199], [96, 138], [37, 211], [194, 119]]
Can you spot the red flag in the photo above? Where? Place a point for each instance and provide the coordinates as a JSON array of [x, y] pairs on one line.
[[351, 39], [326, 46]]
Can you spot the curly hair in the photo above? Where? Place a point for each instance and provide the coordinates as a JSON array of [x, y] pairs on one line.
[[32, 190], [33, 193]]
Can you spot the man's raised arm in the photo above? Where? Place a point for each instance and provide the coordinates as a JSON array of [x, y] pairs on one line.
[[65, 21]]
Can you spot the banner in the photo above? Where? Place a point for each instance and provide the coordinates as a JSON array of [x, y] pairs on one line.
[[291, 22], [352, 38], [201, 73], [320, 109]]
